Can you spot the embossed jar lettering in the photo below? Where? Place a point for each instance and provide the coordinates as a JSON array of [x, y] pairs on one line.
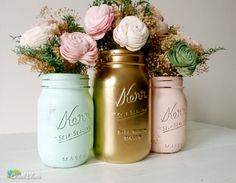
[[121, 108], [72, 118], [128, 96], [173, 113]]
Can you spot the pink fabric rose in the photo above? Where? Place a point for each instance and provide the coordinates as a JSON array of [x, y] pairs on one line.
[[78, 46], [163, 27], [158, 15], [190, 41], [98, 20]]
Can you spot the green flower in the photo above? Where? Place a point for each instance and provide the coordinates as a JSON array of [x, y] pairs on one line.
[[184, 58]]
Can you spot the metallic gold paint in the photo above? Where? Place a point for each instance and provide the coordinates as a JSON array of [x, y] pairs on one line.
[[121, 99]]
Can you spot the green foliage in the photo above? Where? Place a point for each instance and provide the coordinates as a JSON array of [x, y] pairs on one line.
[[72, 25], [147, 7], [171, 29], [100, 2], [45, 53], [121, 3], [79, 68], [148, 11], [211, 51], [124, 5], [208, 52]]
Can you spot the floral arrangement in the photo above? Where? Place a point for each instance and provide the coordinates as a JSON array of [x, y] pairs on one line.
[[138, 25], [60, 44], [57, 44]]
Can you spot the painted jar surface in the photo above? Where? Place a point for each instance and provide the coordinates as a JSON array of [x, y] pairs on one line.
[[168, 114], [65, 120], [121, 100]]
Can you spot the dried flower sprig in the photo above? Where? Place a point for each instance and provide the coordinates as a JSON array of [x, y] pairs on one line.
[[58, 14], [36, 65]]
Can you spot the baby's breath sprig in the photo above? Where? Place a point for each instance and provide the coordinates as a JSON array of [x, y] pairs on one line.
[[100, 2], [208, 52], [50, 13], [127, 7]]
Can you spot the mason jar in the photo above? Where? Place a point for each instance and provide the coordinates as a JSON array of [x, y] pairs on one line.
[[121, 100], [65, 120], [168, 114]]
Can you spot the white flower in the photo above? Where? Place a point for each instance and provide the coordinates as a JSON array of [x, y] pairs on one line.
[[131, 33], [38, 35]]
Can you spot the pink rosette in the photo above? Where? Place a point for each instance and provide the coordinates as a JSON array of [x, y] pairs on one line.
[[158, 16], [78, 46], [98, 20], [163, 27], [192, 43]]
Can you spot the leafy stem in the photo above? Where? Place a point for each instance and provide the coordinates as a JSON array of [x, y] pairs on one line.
[[73, 26], [208, 52]]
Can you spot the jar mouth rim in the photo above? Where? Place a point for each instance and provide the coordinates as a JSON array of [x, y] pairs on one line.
[[124, 51], [64, 80], [123, 56], [64, 76], [167, 78], [65, 87], [167, 82]]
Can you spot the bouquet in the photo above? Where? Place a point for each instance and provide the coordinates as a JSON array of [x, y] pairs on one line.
[[60, 45], [57, 44], [138, 25]]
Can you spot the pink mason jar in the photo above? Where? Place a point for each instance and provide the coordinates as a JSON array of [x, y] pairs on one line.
[[168, 114]]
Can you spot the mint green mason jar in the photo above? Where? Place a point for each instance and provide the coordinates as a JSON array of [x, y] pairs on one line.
[[65, 120]]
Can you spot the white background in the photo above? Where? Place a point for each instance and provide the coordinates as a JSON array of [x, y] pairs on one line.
[[211, 96]]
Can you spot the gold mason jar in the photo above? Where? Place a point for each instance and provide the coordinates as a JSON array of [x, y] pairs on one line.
[[121, 99]]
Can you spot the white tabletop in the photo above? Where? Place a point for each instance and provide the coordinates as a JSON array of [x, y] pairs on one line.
[[208, 157]]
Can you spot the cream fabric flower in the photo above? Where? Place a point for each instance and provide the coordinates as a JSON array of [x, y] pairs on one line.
[[131, 33], [38, 35]]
